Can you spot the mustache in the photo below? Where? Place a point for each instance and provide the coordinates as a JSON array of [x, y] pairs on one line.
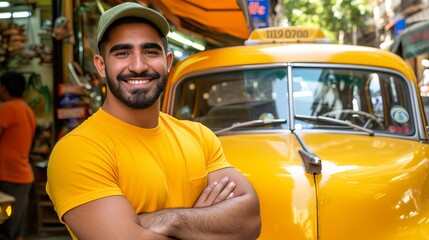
[[137, 75]]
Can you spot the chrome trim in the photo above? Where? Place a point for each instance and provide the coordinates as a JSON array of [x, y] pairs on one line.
[[290, 97]]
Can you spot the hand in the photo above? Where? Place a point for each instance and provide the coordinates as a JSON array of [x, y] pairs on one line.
[[216, 192]]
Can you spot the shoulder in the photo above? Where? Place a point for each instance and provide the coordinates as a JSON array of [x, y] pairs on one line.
[[16, 111], [86, 133], [6, 106], [91, 126], [88, 144]]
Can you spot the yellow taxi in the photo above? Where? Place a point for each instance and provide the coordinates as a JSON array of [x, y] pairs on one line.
[[332, 137]]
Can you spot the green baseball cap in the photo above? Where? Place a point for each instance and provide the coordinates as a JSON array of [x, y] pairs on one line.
[[131, 9]]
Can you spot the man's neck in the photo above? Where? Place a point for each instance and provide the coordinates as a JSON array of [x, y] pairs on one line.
[[144, 118]]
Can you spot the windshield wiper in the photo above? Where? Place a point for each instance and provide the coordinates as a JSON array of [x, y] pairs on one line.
[[251, 123], [336, 121]]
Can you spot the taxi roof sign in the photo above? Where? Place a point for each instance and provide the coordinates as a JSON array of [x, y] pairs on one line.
[[292, 34]]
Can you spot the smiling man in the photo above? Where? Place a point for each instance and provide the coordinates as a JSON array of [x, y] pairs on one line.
[[132, 172]]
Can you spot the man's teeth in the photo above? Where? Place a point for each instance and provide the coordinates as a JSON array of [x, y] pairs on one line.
[[137, 81]]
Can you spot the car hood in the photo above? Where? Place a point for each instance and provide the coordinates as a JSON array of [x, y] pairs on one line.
[[369, 187]]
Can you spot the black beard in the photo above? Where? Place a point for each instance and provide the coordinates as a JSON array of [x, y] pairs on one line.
[[140, 98]]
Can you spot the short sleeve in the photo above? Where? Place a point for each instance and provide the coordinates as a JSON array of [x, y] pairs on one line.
[[80, 171]]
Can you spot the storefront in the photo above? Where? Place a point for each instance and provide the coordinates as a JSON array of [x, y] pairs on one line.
[[413, 45]]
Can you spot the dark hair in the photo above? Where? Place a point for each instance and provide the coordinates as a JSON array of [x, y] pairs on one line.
[[14, 82], [106, 35]]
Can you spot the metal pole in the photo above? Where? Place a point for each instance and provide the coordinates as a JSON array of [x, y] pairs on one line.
[[57, 67]]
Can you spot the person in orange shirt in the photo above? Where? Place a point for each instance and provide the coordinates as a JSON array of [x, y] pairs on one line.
[[17, 128]]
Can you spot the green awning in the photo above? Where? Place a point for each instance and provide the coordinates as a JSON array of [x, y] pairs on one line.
[[413, 41]]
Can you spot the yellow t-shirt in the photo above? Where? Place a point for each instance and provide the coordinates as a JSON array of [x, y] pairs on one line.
[[163, 167]]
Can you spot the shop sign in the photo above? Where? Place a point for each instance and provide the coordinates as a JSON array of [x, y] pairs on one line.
[[398, 27], [259, 11], [69, 88], [414, 40], [76, 112]]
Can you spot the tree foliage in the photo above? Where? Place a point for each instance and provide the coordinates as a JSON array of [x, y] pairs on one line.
[[331, 15]]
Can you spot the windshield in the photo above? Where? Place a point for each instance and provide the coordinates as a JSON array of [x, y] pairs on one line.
[[370, 99], [221, 99]]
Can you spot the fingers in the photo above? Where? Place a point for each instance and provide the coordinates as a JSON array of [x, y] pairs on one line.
[[226, 193], [205, 194], [216, 192]]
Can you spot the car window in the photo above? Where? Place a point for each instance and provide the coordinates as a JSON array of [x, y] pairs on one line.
[[371, 99], [219, 100]]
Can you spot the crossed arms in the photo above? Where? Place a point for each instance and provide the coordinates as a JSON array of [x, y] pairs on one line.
[[227, 209]]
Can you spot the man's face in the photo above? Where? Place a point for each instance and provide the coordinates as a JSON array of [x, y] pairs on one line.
[[135, 65]]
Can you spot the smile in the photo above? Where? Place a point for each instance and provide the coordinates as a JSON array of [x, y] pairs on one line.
[[138, 81]]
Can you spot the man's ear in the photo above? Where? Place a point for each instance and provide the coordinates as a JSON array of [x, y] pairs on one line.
[[100, 65], [170, 58]]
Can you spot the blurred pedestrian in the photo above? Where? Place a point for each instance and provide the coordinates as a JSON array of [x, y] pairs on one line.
[[17, 128]]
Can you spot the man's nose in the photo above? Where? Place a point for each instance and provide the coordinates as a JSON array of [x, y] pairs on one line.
[[138, 64]]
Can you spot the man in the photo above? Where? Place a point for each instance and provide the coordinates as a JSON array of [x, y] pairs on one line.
[[132, 172], [17, 128]]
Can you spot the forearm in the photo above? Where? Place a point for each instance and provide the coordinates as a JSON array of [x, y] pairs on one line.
[[119, 232], [108, 218], [232, 219], [236, 218]]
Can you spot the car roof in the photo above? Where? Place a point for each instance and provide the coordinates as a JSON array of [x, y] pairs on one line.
[[320, 53]]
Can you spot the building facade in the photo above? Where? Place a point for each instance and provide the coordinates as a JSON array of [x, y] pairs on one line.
[[403, 28]]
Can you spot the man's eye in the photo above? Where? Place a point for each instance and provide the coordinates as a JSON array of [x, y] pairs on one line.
[[121, 53], [152, 52]]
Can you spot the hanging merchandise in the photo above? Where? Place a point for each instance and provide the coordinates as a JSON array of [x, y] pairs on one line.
[[46, 55], [16, 40], [37, 95], [29, 53], [63, 30], [45, 49], [12, 43]]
